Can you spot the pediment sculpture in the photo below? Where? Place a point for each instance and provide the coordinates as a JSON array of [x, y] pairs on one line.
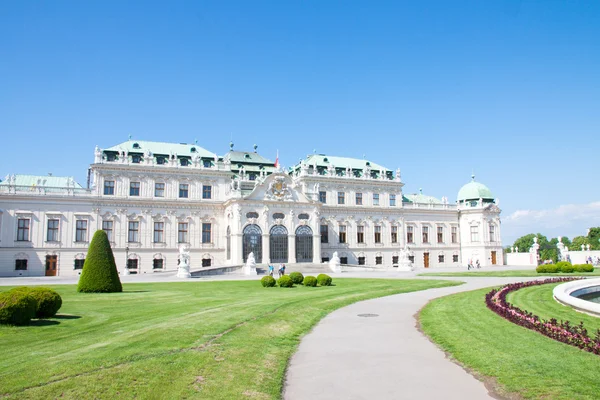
[[278, 190]]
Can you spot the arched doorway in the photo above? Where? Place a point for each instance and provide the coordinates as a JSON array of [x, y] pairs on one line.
[[279, 244], [252, 242], [304, 244]]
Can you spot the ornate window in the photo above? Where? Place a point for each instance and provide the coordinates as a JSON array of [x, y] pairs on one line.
[[107, 226], [392, 200], [23, 229], [206, 232], [394, 234], [252, 214], [133, 232], [303, 217], [342, 233], [377, 233], [81, 230], [359, 199], [324, 233], [159, 232], [440, 234], [323, 197], [52, 234], [341, 197], [134, 188], [278, 216], [109, 188], [183, 190], [375, 199], [207, 192], [425, 231], [474, 234], [492, 233], [360, 234], [159, 190], [454, 234], [410, 234], [182, 232]]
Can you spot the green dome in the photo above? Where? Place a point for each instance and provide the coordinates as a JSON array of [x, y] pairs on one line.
[[474, 191]]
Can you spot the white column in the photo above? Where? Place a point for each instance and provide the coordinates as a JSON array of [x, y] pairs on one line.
[[317, 248], [292, 249], [266, 246]]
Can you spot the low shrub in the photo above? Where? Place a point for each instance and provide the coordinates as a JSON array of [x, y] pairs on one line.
[[551, 268], [541, 269], [268, 281], [583, 267], [48, 302], [297, 277], [285, 281], [567, 268], [310, 281], [560, 265], [16, 307], [324, 280]]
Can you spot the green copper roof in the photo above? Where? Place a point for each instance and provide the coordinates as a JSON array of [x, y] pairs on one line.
[[42, 180], [420, 198], [323, 160], [243, 157], [474, 191], [181, 149]]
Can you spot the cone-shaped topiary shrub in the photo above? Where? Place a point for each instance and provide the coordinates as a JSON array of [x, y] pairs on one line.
[[324, 280], [99, 273], [268, 281], [48, 302], [310, 281], [285, 281], [16, 307], [297, 277]]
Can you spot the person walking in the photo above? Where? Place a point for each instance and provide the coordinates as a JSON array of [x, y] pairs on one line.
[[271, 270]]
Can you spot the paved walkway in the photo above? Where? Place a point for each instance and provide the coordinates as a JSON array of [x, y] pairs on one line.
[[384, 357]]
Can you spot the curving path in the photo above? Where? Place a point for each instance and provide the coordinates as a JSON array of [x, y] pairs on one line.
[[384, 357]]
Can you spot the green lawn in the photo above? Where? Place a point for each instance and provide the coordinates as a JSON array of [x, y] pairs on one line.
[[520, 360], [509, 273], [209, 340]]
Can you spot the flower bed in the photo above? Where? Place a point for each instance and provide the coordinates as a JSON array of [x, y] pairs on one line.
[[563, 331]]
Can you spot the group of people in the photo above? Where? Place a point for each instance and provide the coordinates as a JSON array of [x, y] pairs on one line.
[[473, 266], [594, 261], [280, 270]]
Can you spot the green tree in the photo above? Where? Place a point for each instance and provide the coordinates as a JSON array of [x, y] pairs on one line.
[[524, 243], [593, 237], [99, 273], [577, 242]]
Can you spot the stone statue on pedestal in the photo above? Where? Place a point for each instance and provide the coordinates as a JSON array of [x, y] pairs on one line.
[[335, 264], [404, 263], [250, 266], [183, 271]]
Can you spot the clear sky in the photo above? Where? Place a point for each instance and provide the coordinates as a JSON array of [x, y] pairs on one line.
[[507, 89]]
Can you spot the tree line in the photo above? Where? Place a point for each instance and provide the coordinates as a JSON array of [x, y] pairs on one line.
[[549, 249]]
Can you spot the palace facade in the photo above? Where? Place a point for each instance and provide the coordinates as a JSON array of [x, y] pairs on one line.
[[151, 197]]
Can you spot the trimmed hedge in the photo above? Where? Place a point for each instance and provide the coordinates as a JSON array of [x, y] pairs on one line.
[[560, 264], [48, 302], [564, 267], [583, 268], [324, 280], [16, 307], [310, 281], [268, 281], [99, 273], [297, 277], [285, 281]]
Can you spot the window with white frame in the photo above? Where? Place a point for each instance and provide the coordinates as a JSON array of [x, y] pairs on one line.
[[410, 234], [454, 234], [81, 226], [392, 200], [341, 197], [359, 199], [52, 234], [342, 234], [323, 197], [109, 188], [492, 233], [377, 235], [182, 232], [360, 234], [23, 229], [159, 232], [107, 226], [375, 199], [394, 235], [206, 232], [134, 188], [440, 234], [159, 189], [425, 231], [133, 232], [474, 234], [184, 189], [207, 192]]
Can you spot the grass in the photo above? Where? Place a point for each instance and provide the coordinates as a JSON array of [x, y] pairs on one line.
[[519, 360], [209, 340], [509, 273]]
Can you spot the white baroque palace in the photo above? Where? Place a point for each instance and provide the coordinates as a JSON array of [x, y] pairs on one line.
[[152, 197]]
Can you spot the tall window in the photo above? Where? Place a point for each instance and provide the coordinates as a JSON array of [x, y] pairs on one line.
[[134, 188], [206, 230], [81, 230], [159, 232], [107, 226], [159, 190], [394, 234], [425, 234], [323, 197], [359, 199], [52, 235], [207, 192], [183, 190], [324, 234], [109, 187], [341, 197], [133, 232], [440, 234], [454, 234], [377, 234], [492, 233], [392, 200], [410, 237], [342, 233], [182, 232], [474, 234], [360, 234], [23, 229], [375, 199]]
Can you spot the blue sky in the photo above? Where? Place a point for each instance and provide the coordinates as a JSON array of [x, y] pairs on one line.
[[508, 89]]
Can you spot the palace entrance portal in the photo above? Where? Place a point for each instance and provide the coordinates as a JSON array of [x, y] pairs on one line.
[[252, 242], [279, 244], [304, 244]]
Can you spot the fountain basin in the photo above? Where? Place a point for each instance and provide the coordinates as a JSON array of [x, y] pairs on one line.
[[571, 293]]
